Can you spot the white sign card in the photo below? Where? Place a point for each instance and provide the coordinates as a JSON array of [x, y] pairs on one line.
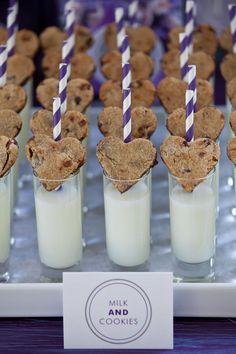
[[118, 310]]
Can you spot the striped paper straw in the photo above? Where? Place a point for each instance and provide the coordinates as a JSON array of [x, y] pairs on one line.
[[120, 27], [132, 11], [189, 23], [63, 86], [70, 26], [127, 114], [66, 57], [126, 88], [192, 83], [69, 6], [189, 115], [183, 42], [56, 118], [232, 17], [10, 31], [3, 65], [15, 5], [125, 57]]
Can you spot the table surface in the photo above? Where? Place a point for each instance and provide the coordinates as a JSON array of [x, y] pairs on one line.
[[45, 335]]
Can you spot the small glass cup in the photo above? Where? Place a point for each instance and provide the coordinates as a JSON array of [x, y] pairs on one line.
[[193, 228], [127, 219], [59, 226], [5, 225]]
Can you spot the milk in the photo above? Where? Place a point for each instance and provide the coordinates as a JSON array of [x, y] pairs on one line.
[[25, 117], [4, 220], [14, 175], [58, 216], [192, 222], [127, 218]]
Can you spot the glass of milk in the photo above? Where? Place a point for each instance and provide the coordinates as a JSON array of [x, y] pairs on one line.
[[59, 226], [193, 229], [127, 219], [5, 225]]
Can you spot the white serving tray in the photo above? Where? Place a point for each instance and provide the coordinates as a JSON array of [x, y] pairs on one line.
[[29, 294], [190, 300]]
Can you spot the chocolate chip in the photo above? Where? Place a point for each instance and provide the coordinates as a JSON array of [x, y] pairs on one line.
[[77, 100]]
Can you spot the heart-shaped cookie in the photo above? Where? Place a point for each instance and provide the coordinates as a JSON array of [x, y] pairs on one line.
[[171, 93], [231, 91], [189, 162], [27, 43], [228, 66], [144, 122], [231, 150], [54, 161], [73, 124], [204, 39], [12, 97], [141, 38], [142, 93], [208, 123], [170, 64], [225, 40], [19, 69], [142, 65], [82, 65], [52, 38], [126, 162], [10, 123], [8, 154], [79, 94], [173, 37]]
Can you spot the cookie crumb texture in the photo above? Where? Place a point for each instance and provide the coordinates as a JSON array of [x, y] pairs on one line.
[[54, 161], [12, 97], [142, 65], [8, 154], [208, 123], [171, 93], [144, 122], [126, 163], [73, 124], [19, 69], [189, 162], [10, 123], [142, 93], [79, 94]]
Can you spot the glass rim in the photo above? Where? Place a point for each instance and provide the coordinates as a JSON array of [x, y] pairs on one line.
[[126, 180], [6, 174], [62, 180], [210, 174]]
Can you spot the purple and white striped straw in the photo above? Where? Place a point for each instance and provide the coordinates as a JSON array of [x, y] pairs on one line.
[[69, 6], [63, 86], [126, 93], [3, 65], [189, 23], [125, 57], [183, 43], [66, 57], [192, 84], [14, 4], [126, 88], [56, 118], [132, 12], [10, 31], [189, 115], [120, 26], [232, 17], [70, 27]]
